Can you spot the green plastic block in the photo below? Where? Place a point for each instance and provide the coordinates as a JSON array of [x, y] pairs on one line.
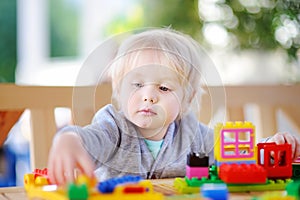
[[182, 186], [293, 189], [78, 192]]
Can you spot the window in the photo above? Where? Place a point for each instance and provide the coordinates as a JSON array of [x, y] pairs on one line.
[[237, 143]]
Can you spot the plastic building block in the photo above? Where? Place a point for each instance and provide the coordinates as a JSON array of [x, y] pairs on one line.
[[49, 192], [196, 172], [293, 189], [214, 191], [31, 180], [85, 188], [242, 174], [213, 171], [130, 191], [41, 172], [194, 182], [296, 171], [235, 162], [274, 196], [142, 186], [213, 178], [134, 189], [90, 182], [38, 177], [78, 192], [109, 185], [271, 185], [197, 160], [28, 181], [235, 141], [197, 165], [276, 159], [188, 186], [247, 162], [182, 186]]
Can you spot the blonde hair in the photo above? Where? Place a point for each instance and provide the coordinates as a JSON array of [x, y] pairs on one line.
[[174, 49]]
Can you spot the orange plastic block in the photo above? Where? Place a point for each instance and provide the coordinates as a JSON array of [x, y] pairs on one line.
[[242, 173]]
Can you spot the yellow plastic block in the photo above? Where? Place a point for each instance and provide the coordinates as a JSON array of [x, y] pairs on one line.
[[233, 126]]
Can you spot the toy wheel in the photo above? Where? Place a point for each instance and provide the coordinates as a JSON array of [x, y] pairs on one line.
[[28, 180]]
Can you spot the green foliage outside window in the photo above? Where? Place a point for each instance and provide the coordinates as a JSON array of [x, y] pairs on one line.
[[8, 44], [64, 28], [254, 24]]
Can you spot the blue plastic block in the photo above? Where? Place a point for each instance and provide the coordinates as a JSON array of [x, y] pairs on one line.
[[109, 185], [215, 191]]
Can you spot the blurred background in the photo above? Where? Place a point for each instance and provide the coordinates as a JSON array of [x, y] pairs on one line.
[[45, 42]]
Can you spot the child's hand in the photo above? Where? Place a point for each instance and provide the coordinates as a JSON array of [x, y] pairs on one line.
[[281, 138], [66, 155]]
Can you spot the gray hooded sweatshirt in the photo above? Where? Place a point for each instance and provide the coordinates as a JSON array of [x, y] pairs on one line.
[[118, 149]]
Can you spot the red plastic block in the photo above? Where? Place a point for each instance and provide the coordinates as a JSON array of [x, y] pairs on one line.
[[134, 189], [40, 172], [276, 159], [242, 173]]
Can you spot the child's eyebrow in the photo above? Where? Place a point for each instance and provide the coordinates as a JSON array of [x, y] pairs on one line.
[[137, 74], [172, 79]]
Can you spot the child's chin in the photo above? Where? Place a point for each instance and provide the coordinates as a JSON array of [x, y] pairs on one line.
[[144, 125]]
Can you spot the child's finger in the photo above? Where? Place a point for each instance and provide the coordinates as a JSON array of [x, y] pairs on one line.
[[59, 177], [297, 148], [278, 138], [69, 167], [86, 165], [50, 170], [290, 139]]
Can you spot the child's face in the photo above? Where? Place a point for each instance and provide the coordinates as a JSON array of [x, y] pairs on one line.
[[151, 95]]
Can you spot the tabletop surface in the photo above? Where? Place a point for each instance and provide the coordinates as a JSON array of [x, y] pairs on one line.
[[164, 186]]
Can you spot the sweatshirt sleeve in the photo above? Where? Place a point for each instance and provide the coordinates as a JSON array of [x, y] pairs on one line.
[[101, 137]]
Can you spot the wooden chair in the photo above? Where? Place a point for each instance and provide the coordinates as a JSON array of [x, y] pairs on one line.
[[41, 101], [84, 101], [266, 101], [7, 120]]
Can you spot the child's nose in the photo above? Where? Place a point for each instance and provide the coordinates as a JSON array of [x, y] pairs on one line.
[[151, 99], [150, 94]]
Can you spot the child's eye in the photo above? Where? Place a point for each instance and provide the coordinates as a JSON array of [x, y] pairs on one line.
[[138, 85], [164, 88]]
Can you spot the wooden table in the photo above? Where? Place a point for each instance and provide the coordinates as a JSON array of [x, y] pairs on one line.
[[164, 186], [13, 193]]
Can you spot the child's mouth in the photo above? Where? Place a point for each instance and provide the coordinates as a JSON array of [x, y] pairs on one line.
[[147, 112]]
